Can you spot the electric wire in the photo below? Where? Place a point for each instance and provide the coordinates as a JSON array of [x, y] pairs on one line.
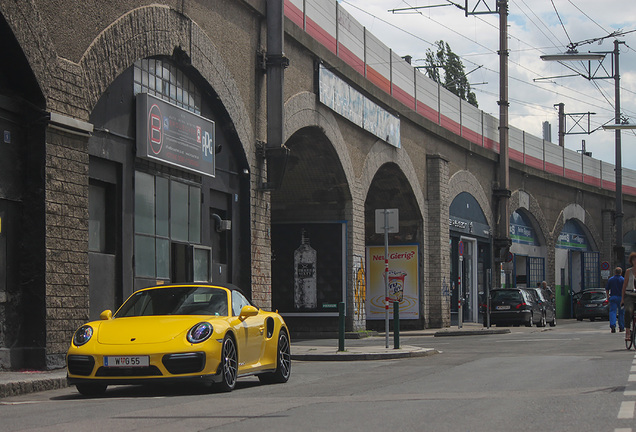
[[490, 51]]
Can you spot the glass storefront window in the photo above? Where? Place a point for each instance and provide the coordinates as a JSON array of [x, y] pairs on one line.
[[144, 256], [165, 211], [162, 193], [97, 219], [163, 258], [144, 203], [194, 223], [161, 78], [201, 265], [179, 211]]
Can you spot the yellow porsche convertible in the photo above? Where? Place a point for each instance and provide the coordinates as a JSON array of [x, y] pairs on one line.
[[193, 332]]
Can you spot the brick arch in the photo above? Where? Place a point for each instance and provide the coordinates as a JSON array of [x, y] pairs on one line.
[[536, 212], [34, 42], [301, 110], [110, 54], [576, 211], [464, 181], [382, 153], [629, 224]]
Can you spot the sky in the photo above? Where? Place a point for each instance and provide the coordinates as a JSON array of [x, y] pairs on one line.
[[535, 28]]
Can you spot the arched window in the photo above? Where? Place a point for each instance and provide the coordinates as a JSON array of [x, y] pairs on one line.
[[163, 79]]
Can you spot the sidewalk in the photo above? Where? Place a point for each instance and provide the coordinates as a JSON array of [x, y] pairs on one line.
[[374, 347], [367, 348]]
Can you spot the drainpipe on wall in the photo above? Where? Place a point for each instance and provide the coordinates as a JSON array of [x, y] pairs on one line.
[[274, 150]]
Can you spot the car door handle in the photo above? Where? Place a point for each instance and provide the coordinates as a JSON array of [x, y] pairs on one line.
[[261, 329]]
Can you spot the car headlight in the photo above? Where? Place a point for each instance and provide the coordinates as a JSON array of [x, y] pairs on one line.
[[82, 335], [200, 332]]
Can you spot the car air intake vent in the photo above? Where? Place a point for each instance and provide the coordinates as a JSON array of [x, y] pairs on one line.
[[145, 371], [184, 363], [80, 364]]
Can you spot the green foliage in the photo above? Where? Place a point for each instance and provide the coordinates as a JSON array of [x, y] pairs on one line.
[[454, 78]]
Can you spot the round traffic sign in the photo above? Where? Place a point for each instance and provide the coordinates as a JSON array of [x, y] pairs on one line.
[[604, 265]]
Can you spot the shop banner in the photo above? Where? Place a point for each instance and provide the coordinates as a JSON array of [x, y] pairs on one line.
[[308, 268], [403, 281], [172, 135]]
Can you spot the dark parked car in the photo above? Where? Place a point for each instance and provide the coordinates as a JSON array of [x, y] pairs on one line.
[[514, 306], [544, 299], [592, 304]]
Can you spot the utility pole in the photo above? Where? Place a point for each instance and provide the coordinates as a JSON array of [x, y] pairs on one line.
[[502, 192], [573, 54], [619, 250], [561, 124]]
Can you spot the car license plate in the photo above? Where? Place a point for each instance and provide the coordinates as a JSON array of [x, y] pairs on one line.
[[502, 307], [126, 361], [590, 305]]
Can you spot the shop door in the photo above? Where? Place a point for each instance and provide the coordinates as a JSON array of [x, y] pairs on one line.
[[591, 270], [104, 287], [535, 271], [469, 281], [221, 236]]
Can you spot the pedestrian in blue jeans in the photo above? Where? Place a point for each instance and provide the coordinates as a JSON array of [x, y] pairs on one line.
[[614, 290]]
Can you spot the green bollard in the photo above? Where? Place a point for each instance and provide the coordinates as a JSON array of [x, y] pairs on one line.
[[341, 326], [396, 325]]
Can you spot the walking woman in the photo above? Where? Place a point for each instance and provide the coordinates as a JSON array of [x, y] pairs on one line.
[[629, 295]]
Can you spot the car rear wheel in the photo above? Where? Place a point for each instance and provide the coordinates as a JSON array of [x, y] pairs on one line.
[[542, 322], [91, 389], [530, 321], [553, 322], [229, 364], [283, 362]]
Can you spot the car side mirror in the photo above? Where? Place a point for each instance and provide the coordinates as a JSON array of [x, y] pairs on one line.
[[106, 315], [248, 311]]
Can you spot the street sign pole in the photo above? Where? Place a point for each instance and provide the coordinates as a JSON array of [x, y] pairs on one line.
[[386, 276], [386, 221], [460, 293]]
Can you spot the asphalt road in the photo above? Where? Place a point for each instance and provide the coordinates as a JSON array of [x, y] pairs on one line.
[[574, 377]]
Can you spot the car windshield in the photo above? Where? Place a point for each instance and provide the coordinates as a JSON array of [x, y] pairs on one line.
[[506, 295], [540, 295], [599, 295], [176, 301]]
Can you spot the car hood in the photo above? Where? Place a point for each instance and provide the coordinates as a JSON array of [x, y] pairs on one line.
[[144, 330]]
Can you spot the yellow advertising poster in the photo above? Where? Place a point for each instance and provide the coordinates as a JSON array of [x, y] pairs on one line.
[[403, 281]]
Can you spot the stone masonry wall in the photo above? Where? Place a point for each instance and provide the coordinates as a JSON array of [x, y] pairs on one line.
[[66, 241], [438, 252]]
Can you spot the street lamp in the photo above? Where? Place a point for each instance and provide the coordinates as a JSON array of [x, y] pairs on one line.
[[573, 54]]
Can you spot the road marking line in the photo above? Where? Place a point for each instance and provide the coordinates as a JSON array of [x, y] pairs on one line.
[[627, 410], [623, 430], [633, 369], [629, 393], [632, 378]]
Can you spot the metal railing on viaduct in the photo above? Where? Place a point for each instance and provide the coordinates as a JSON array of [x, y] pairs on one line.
[[331, 25]]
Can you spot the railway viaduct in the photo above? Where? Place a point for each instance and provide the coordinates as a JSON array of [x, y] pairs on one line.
[[88, 214]]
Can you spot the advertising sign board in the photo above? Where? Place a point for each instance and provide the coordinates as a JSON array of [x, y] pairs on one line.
[[172, 135], [308, 268], [403, 281]]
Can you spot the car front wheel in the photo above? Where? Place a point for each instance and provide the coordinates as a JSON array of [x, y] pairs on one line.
[[229, 364], [283, 362]]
